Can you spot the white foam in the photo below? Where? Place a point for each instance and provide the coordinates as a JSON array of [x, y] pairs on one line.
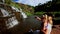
[[4, 12]]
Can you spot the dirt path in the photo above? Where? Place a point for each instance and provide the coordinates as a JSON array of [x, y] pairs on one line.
[[56, 29]]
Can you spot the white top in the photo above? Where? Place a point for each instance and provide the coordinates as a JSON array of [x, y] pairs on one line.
[[49, 28]]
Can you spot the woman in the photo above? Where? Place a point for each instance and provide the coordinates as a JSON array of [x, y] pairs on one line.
[[46, 23]]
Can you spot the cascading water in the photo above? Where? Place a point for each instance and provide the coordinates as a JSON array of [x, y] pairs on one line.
[[4, 12], [3, 1], [22, 13], [10, 22], [14, 8]]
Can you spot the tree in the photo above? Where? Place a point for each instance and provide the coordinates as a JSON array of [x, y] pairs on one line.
[[53, 5]]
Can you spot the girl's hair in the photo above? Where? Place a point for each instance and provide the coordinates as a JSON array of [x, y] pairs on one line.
[[48, 14]]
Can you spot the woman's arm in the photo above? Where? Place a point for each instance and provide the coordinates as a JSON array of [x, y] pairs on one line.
[[38, 18]]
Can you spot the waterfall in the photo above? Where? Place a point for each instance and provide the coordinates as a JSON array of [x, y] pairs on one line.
[[3, 1], [14, 8], [23, 14], [4, 12], [11, 22]]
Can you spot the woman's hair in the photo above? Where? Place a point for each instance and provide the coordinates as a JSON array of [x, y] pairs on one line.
[[48, 14]]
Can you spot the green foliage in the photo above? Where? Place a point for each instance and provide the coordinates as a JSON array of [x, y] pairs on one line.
[[8, 1], [24, 7], [39, 13], [15, 5], [50, 6], [28, 13]]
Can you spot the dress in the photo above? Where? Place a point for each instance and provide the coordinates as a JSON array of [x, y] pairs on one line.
[[49, 28]]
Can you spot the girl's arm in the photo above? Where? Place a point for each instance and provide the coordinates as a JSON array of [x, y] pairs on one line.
[[38, 18]]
